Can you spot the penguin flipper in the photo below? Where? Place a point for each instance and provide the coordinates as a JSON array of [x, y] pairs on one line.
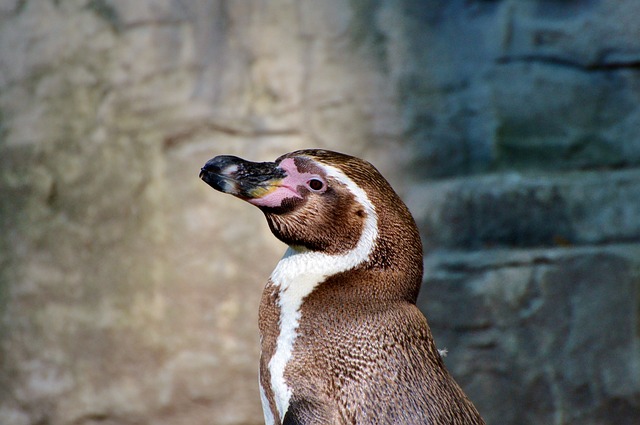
[[306, 412], [292, 419]]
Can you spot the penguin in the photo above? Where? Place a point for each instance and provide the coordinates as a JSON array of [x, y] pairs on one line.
[[342, 340]]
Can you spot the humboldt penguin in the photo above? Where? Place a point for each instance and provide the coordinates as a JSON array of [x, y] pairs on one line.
[[342, 341]]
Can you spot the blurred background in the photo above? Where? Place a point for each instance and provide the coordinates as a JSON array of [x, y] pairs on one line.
[[129, 289]]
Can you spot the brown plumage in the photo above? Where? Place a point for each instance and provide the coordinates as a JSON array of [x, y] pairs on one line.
[[342, 339]]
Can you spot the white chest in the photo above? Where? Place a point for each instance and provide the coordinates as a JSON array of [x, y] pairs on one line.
[[293, 287], [296, 276]]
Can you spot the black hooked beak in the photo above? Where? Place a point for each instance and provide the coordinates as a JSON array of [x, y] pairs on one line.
[[244, 179]]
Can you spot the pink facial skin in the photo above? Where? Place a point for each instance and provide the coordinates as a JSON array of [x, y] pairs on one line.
[[285, 188]]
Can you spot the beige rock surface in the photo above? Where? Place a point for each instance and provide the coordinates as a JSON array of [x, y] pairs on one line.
[[129, 289]]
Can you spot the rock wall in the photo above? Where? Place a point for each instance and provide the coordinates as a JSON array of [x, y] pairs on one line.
[[129, 289], [522, 117]]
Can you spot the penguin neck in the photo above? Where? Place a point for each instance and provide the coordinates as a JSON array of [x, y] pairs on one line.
[[381, 266], [396, 263]]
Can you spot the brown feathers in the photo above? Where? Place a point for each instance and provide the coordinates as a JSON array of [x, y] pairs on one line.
[[342, 339]]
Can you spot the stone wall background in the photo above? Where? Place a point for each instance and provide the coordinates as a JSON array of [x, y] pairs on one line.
[[129, 289]]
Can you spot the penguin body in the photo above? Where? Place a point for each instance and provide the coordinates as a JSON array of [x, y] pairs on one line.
[[342, 341]]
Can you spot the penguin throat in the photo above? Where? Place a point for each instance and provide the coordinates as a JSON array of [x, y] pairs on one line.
[[298, 273]]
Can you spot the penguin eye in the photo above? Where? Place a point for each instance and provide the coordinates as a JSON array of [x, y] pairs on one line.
[[315, 184]]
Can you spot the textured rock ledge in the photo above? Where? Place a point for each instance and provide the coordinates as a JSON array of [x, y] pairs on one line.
[[526, 210], [554, 329]]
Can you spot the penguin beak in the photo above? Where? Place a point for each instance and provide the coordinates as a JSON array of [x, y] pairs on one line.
[[246, 180]]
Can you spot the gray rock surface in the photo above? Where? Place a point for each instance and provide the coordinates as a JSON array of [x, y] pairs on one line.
[[129, 289], [529, 210], [541, 336]]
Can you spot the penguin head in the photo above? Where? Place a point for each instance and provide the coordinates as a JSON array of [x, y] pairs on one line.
[[312, 199], [330, 203]]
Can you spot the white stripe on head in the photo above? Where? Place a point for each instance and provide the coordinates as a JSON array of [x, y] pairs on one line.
[[300, 271]]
